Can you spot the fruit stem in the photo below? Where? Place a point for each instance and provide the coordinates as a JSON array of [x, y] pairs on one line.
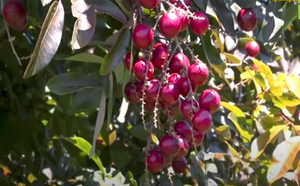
[[10, 39]]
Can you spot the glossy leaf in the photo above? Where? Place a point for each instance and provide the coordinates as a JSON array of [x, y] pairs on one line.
[[220, 43], [82, 101], [99, 122], [85, 24], [237, 112], [246, 137], [85, 147], [71, 82], [293, 84], [117, 53], [260, 143], [108, 7], [82, 57], [212, 55], [48, 40], [282, 158], [264, 69], [234, 60]]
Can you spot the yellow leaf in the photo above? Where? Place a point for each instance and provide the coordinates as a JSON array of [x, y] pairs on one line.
[[154, 139], [246, 137], [220, 44], [260, 143], [224, 130], [5, 168], [264, 69], [232, 151], [30, 178], [293, 84], [282, 158], [234, 60]]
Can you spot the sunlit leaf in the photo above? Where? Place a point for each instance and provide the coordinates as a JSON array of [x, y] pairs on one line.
[[282, 158], [246, 137], [237, 112], [85, 24], [264, 69], [260, 143], [99, 122], [85, 147], [220, 43], [293, 83], [45, 2], [48, 40]]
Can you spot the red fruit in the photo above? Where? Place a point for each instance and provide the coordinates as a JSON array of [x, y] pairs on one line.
[[155, 161], [15, 15], [201, 121], [198, 139], [179, 165], [170, 110], [126, 60], [169, 145], [140, 69], [183, 147], [169, 94], [184, 20], [149, 4], [210, 100], [178, 62], [184, 86], [174, 79], [247, 19], [179, 4], [169, 25], [186, 108], [152, 89], [184, 129], [149, 105], [198, 73], [130, 92], [199, 23], [159, 55], [142, 36], [252, 48]]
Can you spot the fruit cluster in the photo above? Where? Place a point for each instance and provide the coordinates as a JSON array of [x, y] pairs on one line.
[[169, 81], [15, 15], [166, 79]]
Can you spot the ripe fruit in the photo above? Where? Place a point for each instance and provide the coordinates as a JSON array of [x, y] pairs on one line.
[[149, 105], [247, 19], [252, 48], [174, 78], [201, 121], [184, 20], [148, 4], [184, 86], [210, 100], [142, 36], [179, 165], [183, 147], [126, 60], [155, 161], [159, 55], [198, 73], [152, 89], [169, 94], [169, 145], [179, 4], [15, 15], [199, 23], [140, 69], [198, 139], [187, 109], [169, 25], [130, 92], [178, 62], [184, 129]]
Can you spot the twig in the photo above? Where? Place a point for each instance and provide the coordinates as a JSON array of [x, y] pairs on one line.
[[290, 123]]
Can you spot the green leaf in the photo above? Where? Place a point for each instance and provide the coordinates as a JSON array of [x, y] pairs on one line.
[[290, 14], [82, 57], [260, 143], [82, 101], [85, 24], [246, 137], [237, 112], [108, 7], [212, 55], [71, 82], [48, 40], [111, 98], [85, 147], [116, 54], [258, 79], [99, 121]]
